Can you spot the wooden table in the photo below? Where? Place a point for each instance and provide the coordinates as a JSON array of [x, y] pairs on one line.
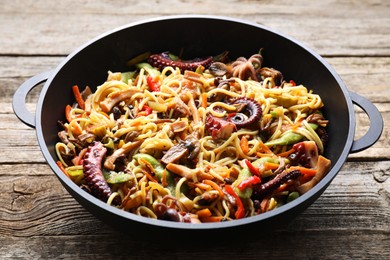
[[39, 219]]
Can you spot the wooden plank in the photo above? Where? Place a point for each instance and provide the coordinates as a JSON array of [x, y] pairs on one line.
[[19, 170], [364, 76], [20, 67], [31, 201], [303, 245], [380, 148], [39, 219], [364, 31], [277, 7], [20, 154], [37, 211]]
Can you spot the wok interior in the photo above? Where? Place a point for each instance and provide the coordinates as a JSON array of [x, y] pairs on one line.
[[197, 37]]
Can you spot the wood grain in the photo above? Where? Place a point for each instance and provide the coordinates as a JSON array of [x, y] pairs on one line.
[[312, 23], [352, 206], [40, 220]]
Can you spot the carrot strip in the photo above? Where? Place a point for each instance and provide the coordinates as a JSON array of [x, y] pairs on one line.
[[149, 167], [68, 108], [305, 178], [76, 128], [62, 168], [244, 145], [304, 170], [262, 154], [77, 95], [204, 213], [164, 181], [265, 148], [270, 166], [202, 186], [215, 186], [286, 153], [204, 100], [149, 176], [283, 187]]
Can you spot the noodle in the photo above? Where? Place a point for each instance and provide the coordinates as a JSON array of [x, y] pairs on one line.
[[185, 122]]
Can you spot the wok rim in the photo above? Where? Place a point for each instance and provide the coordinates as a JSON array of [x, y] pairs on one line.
[[315, 192]]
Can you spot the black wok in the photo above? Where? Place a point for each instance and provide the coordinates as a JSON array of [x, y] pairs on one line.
[[199, 36]]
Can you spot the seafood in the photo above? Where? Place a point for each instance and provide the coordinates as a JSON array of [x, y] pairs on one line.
[[268, 187], [92, 163], [219, 128], [210, 140], [163, 60], [246, 68], [249, 112]]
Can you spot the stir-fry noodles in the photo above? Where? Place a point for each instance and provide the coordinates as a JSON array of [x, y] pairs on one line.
[[203, 140]]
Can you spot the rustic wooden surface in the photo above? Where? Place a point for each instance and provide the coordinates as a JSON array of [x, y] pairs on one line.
[[39, 219]]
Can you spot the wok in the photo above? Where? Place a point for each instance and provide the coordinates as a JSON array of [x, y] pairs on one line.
[[199, 36]]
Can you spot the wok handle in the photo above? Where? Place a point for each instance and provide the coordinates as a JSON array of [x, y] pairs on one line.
[[376, 123], [19, 98]]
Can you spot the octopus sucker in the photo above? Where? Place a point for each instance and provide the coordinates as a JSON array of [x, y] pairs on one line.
[[92, 163], [163, 60], [249, 113]]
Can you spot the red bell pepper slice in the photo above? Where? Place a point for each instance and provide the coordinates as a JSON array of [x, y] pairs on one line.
[[253, 169], [153, 83], [240, 212], [147, 109], [248, 182]]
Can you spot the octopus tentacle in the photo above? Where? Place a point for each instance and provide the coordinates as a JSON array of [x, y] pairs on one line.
[[264, 189], [92, 163], [163, 60], [250, 113], [246, 68]]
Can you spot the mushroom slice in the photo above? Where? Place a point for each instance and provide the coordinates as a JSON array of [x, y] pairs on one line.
[[109, 163], [188, 148]]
